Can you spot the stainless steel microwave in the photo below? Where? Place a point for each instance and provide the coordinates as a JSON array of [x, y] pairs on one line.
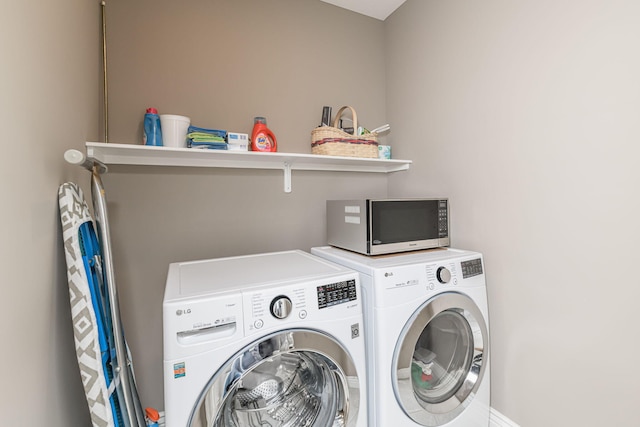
[[384, 226]]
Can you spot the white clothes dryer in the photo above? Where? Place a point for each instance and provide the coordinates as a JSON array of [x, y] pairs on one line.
[[264, 340], [426, 325]]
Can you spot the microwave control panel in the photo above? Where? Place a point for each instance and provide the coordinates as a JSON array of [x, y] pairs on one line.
[[443, 219]]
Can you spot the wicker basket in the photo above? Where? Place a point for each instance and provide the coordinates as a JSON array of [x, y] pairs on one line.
[[331, 141]]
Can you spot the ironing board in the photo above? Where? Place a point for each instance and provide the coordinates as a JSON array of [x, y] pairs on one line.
[[103, 356]]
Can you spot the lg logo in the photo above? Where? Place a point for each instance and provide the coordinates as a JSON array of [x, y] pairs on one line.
[[181, 312], [388, 274]]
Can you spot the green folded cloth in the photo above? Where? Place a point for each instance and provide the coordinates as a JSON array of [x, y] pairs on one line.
[[204, 137]]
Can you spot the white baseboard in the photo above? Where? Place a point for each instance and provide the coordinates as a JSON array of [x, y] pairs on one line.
[[496, 419]]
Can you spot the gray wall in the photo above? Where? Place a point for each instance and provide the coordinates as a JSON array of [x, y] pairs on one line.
[[526, 115], [222, 63], [50, 86]]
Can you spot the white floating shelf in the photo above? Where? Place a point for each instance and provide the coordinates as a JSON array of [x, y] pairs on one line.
[[142, 155]]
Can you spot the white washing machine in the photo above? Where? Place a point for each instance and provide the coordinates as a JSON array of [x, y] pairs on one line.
[[264, 340], [426, 324]]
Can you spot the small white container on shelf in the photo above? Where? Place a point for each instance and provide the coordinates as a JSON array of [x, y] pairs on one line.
[[237, 141], [174, 130]]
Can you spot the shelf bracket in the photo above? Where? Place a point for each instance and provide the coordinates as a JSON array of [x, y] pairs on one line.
[[287, 177]]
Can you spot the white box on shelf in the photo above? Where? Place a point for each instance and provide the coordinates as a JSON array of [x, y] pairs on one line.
[[238, 141]]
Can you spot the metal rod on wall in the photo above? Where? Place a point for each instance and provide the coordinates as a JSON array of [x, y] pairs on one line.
[[104, 72]]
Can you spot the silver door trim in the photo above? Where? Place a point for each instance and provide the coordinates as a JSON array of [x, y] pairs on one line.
[[436, 414], [223, 382]]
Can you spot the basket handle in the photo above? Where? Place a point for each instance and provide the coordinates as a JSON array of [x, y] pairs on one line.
[[354, 117]]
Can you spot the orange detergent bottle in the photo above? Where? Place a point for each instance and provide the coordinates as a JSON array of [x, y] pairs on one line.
[[262, 139]]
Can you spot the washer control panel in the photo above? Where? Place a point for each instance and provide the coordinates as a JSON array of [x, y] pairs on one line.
[[472, 267], [457, 273], [272, 307], [336, 293], [268, 307], [441, 275]]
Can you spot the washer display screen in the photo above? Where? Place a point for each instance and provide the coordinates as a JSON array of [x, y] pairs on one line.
[[336, 293], [471, 268]]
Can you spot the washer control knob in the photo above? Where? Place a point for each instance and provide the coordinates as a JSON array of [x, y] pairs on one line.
[[443, 274], [281, 307]]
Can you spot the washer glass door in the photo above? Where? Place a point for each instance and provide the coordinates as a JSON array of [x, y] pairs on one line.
[[284, 380], [439, 359]]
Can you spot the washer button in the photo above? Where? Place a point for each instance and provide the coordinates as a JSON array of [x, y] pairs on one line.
[[302, 314], [258, 323]]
